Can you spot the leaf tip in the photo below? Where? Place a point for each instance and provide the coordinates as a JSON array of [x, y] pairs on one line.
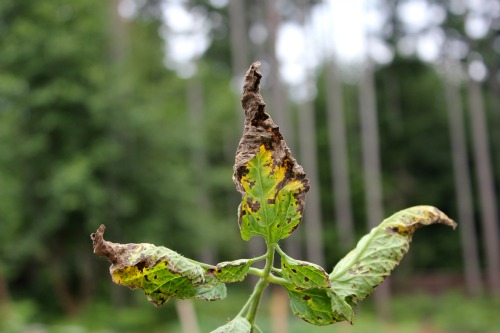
[[438, 217], [251, 84], [101, 246]]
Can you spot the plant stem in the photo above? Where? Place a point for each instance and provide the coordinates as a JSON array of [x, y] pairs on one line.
[[250, 308], [271, 277], [207, 266], [275, 279]]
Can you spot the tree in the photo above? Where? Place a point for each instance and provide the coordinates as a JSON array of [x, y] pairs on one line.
[[339, 156], [371, 163], [485, 183], [462, 181]]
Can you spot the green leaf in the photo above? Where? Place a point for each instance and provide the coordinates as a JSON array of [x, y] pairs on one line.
[[344, 308], [232, 271], [237, 325], [313, 306], [303, 274], [376, 254], [271, 182], [270, 207], [212, 289], [159, 271]]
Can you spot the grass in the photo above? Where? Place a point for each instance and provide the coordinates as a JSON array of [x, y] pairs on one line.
[[448, 313]]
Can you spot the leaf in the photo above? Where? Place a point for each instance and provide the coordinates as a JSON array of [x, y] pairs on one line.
[[376, 254], [313, 306], [232, 271], [212, 290], [271, 182], [303, 274], [159, 271], [344, 308], [237, 325]]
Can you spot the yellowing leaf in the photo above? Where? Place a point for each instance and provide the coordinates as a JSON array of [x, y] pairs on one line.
[[376, 254], [159, 271], [272, 184], [232, 271]]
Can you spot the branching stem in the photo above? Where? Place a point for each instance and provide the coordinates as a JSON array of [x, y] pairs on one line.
[[249, 310]]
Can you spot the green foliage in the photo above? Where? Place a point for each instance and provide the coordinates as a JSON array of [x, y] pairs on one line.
[[232, 271], [269, 207], [160, 272], [273, 188], [302, 274], [237, 325]]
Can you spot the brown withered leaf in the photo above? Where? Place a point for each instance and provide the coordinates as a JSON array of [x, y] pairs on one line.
[[272, 183]]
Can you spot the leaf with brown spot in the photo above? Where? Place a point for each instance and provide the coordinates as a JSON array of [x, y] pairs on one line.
[[272, 184], [313, 306], [231, 271], [159, 271], [378, 253], [303, 274]]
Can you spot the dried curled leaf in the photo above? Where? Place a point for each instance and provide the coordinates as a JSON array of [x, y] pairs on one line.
[[272, 183], [159, 271], [377, 254]]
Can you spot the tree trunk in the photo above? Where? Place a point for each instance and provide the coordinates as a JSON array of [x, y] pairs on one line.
[[199, 161], [118, 48], [279, 310], [312, 212], [463, 189], [278, 99], [279, 109], [187, 315], [485, 183], [239, 48], [339, 158], [372, 168]]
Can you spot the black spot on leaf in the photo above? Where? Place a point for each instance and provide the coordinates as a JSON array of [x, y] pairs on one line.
[[140, 265]]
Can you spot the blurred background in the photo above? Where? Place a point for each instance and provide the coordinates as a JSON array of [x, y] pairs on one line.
[[126, 113]]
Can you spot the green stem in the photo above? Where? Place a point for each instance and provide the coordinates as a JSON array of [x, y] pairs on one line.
[[249, 310], [202, 264], [207, 266], [275, 279], [256, 271], [280, 251]]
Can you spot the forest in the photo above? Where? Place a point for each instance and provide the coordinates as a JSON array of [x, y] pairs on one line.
[[127, 113]]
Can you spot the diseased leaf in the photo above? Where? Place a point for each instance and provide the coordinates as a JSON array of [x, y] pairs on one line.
[[376, 254], [212, 289], [231, 271], [159, 271], [303, 274], [271, 182], [237, 325], [344, 308], [313, 306]]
